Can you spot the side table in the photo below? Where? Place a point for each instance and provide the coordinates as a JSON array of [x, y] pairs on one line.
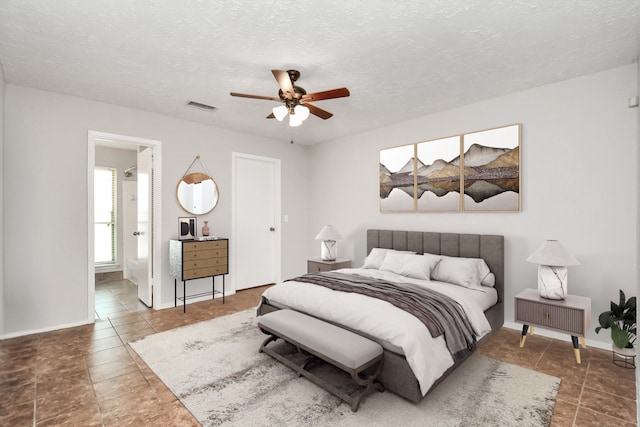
[[316, 265], [570, 316]]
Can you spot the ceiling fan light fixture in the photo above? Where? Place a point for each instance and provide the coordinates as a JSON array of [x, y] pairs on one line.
[[294, 120], [302, 112], [280, 112]]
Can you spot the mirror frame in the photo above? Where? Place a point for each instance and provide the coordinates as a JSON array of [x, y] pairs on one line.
[[196, 178]]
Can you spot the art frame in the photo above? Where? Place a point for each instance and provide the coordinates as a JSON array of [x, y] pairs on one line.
[[397, 179], [438, 183], [187, 228], [477, 171], [491, 175]]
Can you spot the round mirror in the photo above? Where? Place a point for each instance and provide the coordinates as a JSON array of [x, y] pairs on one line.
[[197, 193]]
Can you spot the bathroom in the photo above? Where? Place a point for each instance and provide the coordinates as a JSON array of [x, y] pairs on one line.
[[123, 160]]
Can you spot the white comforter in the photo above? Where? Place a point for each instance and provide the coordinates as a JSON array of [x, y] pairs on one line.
[[392, 327]]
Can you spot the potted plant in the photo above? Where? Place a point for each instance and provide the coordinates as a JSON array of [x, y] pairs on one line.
[[621, 319]]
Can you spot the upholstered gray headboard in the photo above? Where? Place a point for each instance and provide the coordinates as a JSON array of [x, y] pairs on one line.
[[488, 247]]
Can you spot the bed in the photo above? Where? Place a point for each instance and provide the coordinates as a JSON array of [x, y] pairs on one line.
[[414, 361]]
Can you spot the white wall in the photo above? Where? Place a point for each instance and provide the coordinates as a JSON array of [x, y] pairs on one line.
[[121, 160], [2, 90], [45, 168], [579, 183]]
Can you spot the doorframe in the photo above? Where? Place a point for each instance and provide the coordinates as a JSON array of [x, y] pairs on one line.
[[156, 264], [277, 208]]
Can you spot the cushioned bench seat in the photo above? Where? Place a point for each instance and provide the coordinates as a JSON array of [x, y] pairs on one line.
[[344, 349]]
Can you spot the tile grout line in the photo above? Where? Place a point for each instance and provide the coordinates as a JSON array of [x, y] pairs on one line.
[[35, 384]]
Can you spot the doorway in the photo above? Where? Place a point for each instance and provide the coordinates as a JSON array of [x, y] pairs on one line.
[[256, 195], [153, 234]]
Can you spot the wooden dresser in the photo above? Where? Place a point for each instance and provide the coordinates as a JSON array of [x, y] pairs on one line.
[[196, 259]]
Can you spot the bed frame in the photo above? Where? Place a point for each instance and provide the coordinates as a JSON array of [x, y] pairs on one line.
[[396, 374]]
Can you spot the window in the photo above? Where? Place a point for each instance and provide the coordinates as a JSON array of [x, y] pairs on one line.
[[105, 215]]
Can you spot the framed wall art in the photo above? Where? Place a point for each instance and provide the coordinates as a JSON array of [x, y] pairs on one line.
[[491, 175], [187, 227], [473, 172], [438, 175], [397, 179]]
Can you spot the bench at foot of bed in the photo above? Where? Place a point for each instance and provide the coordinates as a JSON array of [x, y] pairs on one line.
[[343, 349]]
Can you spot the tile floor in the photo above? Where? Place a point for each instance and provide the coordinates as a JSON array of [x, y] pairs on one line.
[[89, 376]]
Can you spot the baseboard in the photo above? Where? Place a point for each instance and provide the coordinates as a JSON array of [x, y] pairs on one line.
[[560, 336], [48, 329]]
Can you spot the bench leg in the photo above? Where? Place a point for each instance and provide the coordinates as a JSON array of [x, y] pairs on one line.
[[267, 341], [367, 383]]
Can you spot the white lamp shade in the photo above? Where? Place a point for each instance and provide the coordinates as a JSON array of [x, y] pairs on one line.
[[294, 120], [280, 112], [328, 233], [553, 253], [302, 112]]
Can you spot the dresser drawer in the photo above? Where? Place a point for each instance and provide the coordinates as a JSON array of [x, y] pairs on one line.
[[205, 254], [204, 272], [204, 263], [204, 245], [564, 319]]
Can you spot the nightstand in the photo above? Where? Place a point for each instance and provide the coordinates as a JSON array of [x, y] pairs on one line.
[[570, 315], [315, 265]]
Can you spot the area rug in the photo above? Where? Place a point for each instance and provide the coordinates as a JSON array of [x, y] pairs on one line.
[[214, 368]]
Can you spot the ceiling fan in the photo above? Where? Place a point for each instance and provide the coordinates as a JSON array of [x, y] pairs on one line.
[[296, 100]]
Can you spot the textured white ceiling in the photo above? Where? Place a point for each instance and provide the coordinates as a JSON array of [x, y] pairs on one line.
[[400, 60]]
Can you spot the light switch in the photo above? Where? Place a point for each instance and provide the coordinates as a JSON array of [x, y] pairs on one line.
[[286, 218]]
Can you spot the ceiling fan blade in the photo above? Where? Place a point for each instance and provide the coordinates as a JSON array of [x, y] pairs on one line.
[[271, 116], [323, 114], [284, 81], [327, 94], [244, 95]]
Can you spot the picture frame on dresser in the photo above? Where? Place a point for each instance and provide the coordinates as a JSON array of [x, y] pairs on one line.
[[187, 227]]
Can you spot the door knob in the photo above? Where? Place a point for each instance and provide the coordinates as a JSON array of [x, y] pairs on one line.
[[272, 229], [138, 233]]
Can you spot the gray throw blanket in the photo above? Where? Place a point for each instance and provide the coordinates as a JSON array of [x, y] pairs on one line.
[[439, 313]]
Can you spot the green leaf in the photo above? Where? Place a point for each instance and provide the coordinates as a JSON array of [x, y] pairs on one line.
[[606, 319], [619, 337]]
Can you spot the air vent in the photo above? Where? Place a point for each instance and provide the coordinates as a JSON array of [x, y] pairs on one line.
[[206, 107]]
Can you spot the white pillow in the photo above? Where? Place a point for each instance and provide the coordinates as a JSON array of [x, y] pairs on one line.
[[489, 280], [467, 272], [409, 265], [432, 257], [377, 255]]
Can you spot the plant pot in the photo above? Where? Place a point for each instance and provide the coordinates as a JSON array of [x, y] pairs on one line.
[[624, 357]]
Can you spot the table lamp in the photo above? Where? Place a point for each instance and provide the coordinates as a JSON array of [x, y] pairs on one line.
[[552, 259], [329, 248]]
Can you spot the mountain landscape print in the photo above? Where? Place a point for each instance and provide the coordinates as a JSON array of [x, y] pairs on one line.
[[438, 177], [491, 175], [397, 179], [429, 176]]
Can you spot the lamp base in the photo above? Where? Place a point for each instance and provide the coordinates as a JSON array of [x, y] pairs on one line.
[[329, 250], [552, 282]]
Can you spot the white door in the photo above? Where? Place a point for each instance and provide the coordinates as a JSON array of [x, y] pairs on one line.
[[256, 230], [145, 253], [129, 201]]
